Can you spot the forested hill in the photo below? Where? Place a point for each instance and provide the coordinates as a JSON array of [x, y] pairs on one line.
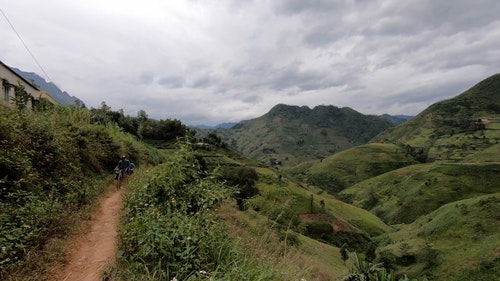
[[288, 135]]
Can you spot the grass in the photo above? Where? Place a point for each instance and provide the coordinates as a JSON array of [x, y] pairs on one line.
[[38, 264], [307, 259], [465, 235], [294, 200], [351, 166], [403, 195]]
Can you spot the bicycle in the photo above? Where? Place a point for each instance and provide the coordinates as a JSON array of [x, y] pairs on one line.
[[120, 175]]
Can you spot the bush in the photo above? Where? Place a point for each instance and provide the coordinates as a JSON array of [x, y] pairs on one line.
[[53, 165], [244, 178], [169, 225]]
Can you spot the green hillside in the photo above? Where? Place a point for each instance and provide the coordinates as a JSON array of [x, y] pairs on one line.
[[281, 196], [454, 129], [403, 195], [457, 242], [281, 232], [446, 208], [290, 135], [346, 168]]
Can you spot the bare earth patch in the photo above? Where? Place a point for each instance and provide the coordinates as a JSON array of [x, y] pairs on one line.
[[96, 246]]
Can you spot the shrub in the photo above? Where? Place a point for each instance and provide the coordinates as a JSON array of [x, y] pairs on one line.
[[244, 178], [169, 226]]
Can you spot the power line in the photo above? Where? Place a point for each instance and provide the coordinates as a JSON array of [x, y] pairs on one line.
[[25, 46]]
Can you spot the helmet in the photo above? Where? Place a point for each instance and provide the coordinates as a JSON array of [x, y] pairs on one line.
[[123, 157]]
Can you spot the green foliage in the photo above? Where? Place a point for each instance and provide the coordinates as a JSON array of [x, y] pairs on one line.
[[53, 164], [169, 225], [21, 98], [362, 270], [318, 230], [170, 228], [344, 252], [141, 126], [244, 179]]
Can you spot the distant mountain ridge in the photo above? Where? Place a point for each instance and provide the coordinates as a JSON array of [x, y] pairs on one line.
[[63, 97], [288, 135], [396, 119], [227, 125]]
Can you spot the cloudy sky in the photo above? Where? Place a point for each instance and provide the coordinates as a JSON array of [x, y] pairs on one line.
[[214, 61]]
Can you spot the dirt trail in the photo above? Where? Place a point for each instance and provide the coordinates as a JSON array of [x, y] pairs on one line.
[[96, 247]]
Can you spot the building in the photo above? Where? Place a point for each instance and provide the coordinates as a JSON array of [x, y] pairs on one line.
[[10, 79]]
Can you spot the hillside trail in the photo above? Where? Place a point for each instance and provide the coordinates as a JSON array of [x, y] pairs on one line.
[[95, 248]]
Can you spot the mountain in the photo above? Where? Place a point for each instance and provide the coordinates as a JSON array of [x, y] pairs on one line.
[[218, 126], [288, 135], [454, 129], [396, 119], [63, 97], [457, 141], [445, 208]]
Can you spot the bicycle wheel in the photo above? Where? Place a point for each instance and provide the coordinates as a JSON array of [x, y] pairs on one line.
[[119, 180]]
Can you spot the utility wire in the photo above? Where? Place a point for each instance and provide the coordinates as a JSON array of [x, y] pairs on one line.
[[25, 46]]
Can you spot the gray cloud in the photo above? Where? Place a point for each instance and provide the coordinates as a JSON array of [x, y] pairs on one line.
[[172, 82], [216, 61]]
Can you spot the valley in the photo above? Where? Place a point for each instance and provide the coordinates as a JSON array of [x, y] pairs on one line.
[[433, 180]]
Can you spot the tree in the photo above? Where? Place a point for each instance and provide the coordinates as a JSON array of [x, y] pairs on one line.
[[244, 178], [21, 97], [142, 116]]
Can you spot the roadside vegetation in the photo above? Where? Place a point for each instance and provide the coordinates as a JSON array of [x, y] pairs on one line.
[[171, 229], [55, 164]]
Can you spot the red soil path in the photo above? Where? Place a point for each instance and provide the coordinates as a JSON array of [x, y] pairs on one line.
[[96, 247]]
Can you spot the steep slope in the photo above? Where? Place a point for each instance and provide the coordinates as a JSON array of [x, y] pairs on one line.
[[454, 129], [446, 208], [289, 135]]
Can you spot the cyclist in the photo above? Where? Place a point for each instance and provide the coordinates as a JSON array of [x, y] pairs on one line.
[[122, 166]]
